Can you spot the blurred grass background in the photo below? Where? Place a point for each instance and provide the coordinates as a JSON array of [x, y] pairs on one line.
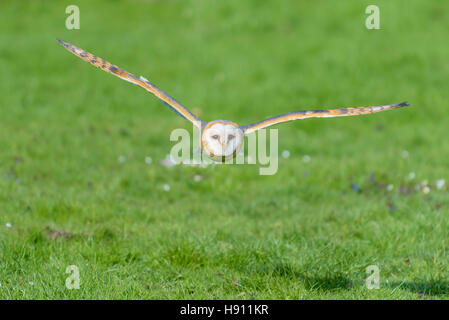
[[307, 232]]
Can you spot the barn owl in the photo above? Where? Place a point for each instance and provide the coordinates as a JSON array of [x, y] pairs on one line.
[[220, 139]]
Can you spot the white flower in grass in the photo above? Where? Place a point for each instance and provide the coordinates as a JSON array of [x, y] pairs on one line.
[[440, 184], [405, 154], [148, 160], [285, 154], [121, 159], [411, 175], [8, 225], [31, 283], [426, 189], [166, 187], [390, 187], [306, 158], [197, 178], [205, 164]]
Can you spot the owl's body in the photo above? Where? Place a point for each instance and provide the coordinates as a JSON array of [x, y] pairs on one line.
[[220, 139]]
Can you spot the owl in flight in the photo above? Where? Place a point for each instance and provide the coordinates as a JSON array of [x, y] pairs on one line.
[[220, 139]]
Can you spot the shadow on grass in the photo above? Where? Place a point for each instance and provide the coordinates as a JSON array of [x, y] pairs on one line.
[[423, 288], [338, 281], [326, 282], [311, 282]]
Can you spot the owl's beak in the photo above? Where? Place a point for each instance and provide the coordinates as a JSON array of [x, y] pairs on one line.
[[222, 143]]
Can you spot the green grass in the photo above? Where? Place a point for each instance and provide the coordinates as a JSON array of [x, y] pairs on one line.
[[302, 233]]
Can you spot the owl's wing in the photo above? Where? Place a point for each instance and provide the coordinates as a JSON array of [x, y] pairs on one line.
[[296, 115], [141, 81]]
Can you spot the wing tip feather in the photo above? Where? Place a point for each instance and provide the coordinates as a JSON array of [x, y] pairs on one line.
[[400, 105], [61, 42]]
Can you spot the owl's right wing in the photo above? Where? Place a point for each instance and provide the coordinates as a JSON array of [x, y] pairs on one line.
[[329, 113], [142, 82]]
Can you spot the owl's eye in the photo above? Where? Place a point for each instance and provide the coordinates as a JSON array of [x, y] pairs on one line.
[[231, 136], [215, 136]]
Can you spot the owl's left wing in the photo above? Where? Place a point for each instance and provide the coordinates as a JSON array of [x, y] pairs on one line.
[[296, 115], [142, 82]]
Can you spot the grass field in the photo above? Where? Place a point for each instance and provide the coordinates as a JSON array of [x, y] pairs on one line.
[[307, 232]]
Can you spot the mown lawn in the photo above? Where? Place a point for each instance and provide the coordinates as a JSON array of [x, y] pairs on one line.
[[75, 188]]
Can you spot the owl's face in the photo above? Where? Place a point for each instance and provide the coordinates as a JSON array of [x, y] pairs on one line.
[[221, 140]]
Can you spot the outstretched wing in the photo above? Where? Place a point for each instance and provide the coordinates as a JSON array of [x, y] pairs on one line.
[[142, 82], [296, 115]]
